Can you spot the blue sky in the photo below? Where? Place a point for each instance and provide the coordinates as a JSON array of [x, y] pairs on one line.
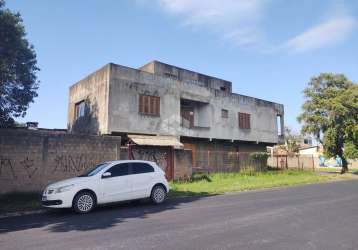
[[269, 49]]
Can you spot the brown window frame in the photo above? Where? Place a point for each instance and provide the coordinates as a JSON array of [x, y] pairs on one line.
[[149, 105], [244, 120], [224, 113]]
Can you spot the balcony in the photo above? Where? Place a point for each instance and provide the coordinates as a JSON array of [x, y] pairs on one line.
[[194, 114]]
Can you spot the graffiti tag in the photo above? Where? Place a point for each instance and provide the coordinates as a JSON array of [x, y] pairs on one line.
[[74, 163], [6, 168], [149, 154], [29, 166]]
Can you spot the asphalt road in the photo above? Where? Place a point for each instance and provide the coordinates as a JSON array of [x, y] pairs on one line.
[[323, 216]]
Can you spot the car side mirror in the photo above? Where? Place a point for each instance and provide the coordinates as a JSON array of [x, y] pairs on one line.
[[106, 175]]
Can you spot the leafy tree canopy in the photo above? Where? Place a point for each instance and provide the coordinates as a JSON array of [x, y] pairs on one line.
[[330, 112], [18, 81]]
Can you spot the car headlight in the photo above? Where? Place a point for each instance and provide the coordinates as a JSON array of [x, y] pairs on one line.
[[64, 188]]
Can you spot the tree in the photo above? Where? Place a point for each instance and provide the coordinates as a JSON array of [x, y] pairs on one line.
[[330, 112], [18, 81], [292, 141]]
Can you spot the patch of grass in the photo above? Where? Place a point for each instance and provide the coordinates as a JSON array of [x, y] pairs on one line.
[[329, 169], [19, 202], [218, 183]]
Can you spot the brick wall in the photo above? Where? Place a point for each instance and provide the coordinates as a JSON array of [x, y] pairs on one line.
[[29, 160]]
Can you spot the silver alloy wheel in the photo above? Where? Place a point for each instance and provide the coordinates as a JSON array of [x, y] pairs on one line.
[[159, 195], [85, 203]]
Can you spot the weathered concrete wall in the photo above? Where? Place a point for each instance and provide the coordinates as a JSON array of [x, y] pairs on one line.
[[29, 160], [184, 75], [114, 91], [126, 84], [94, 91], [182, 164]]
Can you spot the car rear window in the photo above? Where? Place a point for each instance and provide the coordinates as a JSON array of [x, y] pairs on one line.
[[119, 170], [140, 168]]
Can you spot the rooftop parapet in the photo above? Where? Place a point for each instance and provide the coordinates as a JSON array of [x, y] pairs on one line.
[[174, 72]]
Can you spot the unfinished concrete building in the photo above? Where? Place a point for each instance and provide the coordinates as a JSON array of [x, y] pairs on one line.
[[158, 99]]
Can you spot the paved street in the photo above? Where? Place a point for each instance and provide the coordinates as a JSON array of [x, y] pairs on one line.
[[323, 216]]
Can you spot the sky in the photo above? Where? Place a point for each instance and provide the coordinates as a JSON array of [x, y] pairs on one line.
[[268, 49]]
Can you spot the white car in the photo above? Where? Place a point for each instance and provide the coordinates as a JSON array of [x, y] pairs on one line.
[[106, 183]]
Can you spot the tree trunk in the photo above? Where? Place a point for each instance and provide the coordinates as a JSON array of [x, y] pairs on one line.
[[344, 165]]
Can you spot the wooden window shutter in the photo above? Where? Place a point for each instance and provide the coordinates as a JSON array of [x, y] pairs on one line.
[[152, 105], [244, 121], [248, 125], [146, 106], [141, 104], [241, 124], [149, 105], [157, 105]]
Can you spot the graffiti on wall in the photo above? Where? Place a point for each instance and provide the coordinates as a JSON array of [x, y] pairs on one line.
[[7, 168], [75, 163], [12, 169], [29, 166], [150, 154], [29, 160]]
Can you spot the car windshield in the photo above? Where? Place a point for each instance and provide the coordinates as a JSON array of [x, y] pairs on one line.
[[95, 170]]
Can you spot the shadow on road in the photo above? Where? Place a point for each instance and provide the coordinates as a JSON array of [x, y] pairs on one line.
[[103, 217]]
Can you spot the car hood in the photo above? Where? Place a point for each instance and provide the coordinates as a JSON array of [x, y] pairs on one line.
[[70, 181]]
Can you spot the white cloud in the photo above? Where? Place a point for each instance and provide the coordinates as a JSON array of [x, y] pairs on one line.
[[330, 32], [235, 20], [238, 21]]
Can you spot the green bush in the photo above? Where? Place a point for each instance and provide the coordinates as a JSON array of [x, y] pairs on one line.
[[259, 156]]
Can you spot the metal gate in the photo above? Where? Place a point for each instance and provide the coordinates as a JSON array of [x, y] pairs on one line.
[[163, 156]]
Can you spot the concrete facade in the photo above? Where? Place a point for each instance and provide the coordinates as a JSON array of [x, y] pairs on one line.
[[94, 91], [112, 99]]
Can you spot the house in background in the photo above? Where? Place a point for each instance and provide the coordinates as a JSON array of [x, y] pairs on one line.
[[314, 151], [199, 112]]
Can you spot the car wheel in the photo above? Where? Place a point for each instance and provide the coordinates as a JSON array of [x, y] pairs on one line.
[[158, 194], [84, 202]]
